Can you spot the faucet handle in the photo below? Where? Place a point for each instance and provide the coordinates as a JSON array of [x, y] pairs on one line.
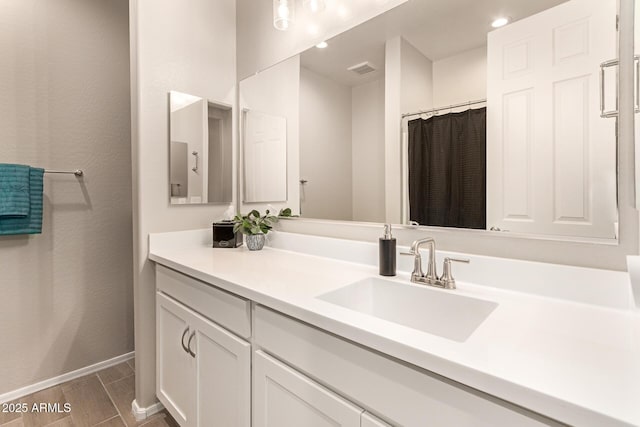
[[447, 280], [465, 260], [416, 275]]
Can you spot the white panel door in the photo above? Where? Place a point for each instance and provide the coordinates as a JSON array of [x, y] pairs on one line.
[[223, 376], [285, 398], [265, 157], [175, 385], [551, 158]]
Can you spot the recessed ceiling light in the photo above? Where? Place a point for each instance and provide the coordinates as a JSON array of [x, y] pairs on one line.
[[315, 6], [500, 22], [343, 12], [322, 45]]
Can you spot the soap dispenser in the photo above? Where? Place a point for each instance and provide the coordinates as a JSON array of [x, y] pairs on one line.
[[387, 253]]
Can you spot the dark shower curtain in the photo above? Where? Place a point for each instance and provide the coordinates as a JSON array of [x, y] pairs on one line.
[[447, 169]]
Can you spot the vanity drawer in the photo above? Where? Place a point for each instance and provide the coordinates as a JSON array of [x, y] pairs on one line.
[[402, 394], [225, 309]]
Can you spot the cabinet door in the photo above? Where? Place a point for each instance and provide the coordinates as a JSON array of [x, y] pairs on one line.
[[223, 376], [175, 385], [369, 420], [283, 397]]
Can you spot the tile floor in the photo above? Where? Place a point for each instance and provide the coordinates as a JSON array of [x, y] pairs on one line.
[[102, 399]]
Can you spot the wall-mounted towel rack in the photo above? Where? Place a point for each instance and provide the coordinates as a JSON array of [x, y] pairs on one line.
[[77, 172]]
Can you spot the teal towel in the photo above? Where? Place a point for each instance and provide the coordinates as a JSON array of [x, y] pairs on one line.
[[32, 223], [14, 190]]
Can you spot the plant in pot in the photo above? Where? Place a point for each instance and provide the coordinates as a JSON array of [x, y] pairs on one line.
[[255, 226]]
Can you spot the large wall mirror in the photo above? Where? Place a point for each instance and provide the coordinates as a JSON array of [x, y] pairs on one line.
[[200, 150], [429, 115]]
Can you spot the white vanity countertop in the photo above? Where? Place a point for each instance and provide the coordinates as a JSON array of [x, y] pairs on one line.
[[573, 362]]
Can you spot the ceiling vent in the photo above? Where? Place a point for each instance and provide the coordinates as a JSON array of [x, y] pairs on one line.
[[362, 68]]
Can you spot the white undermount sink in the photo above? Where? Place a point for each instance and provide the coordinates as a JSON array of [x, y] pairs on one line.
[[440, 312]]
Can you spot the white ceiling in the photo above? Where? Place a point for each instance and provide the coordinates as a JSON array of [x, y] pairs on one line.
[[438, 28]]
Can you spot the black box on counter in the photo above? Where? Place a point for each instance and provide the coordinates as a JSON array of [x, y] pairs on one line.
[[224, 237]]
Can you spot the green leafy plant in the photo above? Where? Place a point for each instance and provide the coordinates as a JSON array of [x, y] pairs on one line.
[[286, 212], [254, 223]]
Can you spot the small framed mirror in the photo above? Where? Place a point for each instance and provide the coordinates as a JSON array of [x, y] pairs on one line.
[[200, 150]]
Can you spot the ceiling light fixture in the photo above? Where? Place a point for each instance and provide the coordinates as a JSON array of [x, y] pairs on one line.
[[315, 6], [343, 12], [500, 22], [284, 12], [322, 45]]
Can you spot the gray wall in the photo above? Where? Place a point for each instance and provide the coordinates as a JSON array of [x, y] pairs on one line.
[[367, 131], [325, 145], [66, 295]]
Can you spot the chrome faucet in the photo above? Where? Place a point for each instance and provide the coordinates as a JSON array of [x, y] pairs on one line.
[[446, 281], [418, 276]]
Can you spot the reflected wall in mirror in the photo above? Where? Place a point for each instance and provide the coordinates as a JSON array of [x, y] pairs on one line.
[[270, 139], [426, 115], [200, 150]]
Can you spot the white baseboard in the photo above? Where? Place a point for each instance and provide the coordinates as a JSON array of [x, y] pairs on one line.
[[24, 391], [143, 413]]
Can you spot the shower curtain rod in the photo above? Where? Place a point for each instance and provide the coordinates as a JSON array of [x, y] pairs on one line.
[[449, 107]]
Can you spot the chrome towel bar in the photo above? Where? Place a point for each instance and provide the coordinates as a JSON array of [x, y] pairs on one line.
[[77, 172]]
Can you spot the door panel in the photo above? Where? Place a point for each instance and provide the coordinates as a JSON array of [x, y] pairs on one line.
[[175, 367], [265, 157], [223, 376], [551, 158], [286, 398]]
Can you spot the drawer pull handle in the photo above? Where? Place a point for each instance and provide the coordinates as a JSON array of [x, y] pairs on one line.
[[191, 352], [184, 334]]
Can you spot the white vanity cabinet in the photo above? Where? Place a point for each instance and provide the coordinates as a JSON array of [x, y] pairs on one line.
[[284, 397], [403, 394], [203, 370], [265, 369]]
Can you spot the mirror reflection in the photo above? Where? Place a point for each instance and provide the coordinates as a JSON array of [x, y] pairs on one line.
[[427, 115], [265, 157], [200, 150]]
